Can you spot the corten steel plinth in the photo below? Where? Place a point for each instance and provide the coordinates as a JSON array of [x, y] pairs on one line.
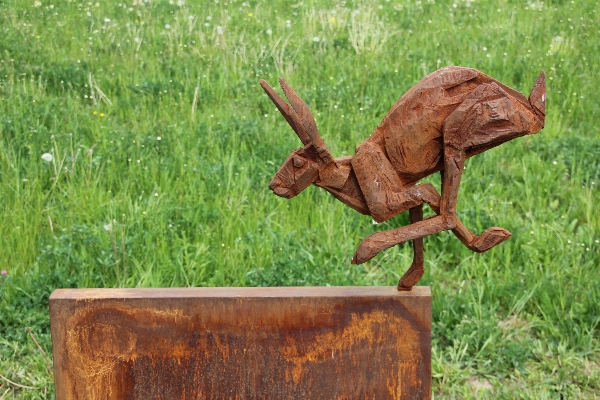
[[242, 343]]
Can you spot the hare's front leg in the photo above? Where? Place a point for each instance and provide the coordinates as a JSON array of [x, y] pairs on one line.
[[417, 268], [384, 192]]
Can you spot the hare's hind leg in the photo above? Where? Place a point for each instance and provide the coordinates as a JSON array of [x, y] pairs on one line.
[[412, 197], [465, 125], [383, 240], [477, 243], [487, 117], [482, 242]]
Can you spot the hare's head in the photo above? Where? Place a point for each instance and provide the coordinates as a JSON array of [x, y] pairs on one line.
[[302, 166], [297, 172]]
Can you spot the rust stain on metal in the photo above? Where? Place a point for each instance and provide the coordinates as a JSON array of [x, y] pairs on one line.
[[359, 335], [332, 343]]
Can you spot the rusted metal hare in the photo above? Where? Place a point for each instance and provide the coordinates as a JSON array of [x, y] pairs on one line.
[[450, 115]]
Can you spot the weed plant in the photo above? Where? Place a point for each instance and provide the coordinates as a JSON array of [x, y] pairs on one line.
[[163, 144]]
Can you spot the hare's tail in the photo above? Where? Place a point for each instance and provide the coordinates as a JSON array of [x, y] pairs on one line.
[[537, 98]]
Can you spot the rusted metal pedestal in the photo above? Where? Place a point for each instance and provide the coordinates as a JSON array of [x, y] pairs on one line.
[[242, 343]]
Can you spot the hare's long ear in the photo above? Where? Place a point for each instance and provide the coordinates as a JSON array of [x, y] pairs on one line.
[[537, 98], [288, 112], [308, 121]]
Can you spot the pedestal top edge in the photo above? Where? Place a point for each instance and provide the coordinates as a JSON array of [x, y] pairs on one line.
[[238, 292]]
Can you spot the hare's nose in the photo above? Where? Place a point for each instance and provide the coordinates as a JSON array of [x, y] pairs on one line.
[[275, 182], [279, 189]]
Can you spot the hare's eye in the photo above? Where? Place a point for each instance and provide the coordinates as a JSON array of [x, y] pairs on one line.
[[298, 162]]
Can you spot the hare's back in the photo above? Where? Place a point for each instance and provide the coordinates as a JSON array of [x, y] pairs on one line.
[[412, 130]]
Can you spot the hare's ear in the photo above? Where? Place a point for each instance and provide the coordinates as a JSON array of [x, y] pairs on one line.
[[288, 112], [537, 98], [308, 121], [303, 112]]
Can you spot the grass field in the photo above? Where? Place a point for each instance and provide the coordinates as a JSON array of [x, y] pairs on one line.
[[163, 145]]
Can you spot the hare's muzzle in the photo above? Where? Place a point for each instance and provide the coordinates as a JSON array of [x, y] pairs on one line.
[[278, 189]]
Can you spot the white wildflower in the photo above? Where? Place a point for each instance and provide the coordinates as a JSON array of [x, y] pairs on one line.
[[219, 30], [47, 157]]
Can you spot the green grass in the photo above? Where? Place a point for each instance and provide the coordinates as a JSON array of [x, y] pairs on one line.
[[95, 85]]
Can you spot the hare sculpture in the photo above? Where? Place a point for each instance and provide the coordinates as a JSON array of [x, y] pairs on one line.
[[450, 115]]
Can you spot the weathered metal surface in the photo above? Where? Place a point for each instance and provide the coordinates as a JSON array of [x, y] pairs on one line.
[[450, 115], [242, 343]]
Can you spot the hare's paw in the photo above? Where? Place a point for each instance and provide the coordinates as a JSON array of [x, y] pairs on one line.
[[371, 246], [411, 277], [364, 253], [488, 239]]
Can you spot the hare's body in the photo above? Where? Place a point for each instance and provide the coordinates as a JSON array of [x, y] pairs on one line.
[[412, 131], [450, 115]]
